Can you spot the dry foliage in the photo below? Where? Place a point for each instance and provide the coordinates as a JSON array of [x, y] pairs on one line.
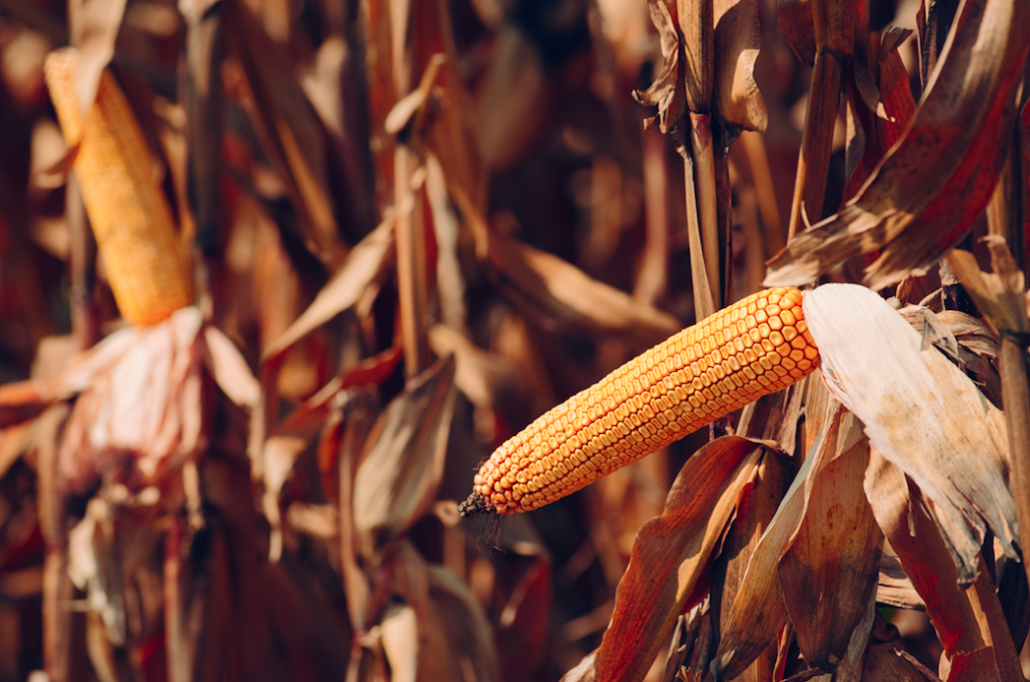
[[415, 226]]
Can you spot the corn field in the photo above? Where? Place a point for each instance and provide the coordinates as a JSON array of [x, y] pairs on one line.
[[511, 340]]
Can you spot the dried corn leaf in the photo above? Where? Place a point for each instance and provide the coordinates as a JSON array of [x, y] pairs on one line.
[[561, 295], [738, 36], [291, 133], [698, 65], [876, 123], [967, 621], [998, 295], [895, 589], [230, 369], [830, 570], [758, 612], [754, 514], [342, 291], [400, 469], [921, 412], [146, 405], [925, 194], [671, 554]]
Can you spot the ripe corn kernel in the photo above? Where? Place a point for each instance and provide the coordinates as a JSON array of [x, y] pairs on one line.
[[754, 347], [147, 265]]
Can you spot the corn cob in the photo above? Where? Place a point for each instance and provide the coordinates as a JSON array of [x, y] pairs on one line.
[[752, 348], [147, 265]]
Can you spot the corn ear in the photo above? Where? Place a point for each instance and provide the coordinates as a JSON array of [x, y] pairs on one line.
[[752, 348], [147, 265]]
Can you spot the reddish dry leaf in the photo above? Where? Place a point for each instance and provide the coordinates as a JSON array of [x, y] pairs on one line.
[[523, 624], [672, 553], [967, 620], [919, 411], [400, 469], [830, 571], [342, 291], [877, 124], [925, 194]]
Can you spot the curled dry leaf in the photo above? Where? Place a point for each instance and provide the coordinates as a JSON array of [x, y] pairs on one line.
[[672, 553], [925, 194], [401, 466], [921, 412], [342, 291], [737, 40]]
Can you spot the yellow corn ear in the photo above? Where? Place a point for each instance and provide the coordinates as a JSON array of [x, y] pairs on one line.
[[752, 348], [147, 265]]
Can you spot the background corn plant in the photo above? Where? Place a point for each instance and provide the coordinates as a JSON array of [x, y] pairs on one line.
[[415, 227]]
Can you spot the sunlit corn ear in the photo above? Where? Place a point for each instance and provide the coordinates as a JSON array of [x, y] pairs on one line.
[[752, 348], [146, 263]]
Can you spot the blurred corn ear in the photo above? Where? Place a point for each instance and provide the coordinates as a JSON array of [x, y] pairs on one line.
[[146, 263]]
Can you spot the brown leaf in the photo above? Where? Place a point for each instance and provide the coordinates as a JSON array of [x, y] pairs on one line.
[[291, 133], [925, 194], [230, 369], [737, 40], [758, 612], [756, 510], [998, 295], [672, 553], [887, 661], [895, 589], [880, 123], [967, 620], [342, 291], [402, 463], [920, 412], [566, 297], [464, 629], [829, 572], [664, 93]]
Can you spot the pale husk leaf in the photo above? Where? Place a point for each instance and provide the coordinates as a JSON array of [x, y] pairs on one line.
[[921, 412]]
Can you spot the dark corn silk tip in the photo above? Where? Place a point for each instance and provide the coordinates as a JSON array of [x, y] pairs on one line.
[[475, 505]]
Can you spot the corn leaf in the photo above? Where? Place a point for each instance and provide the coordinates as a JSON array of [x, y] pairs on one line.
[[927, 191], [921, 412], [672, 552]]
